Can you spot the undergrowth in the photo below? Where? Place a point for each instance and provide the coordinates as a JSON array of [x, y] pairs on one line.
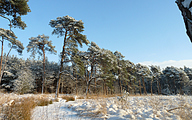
[[68, 98], [20, 109]]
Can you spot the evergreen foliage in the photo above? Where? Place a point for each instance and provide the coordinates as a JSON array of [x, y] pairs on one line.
[[72, 30], [13, 10], [25, 82], [40, 45]]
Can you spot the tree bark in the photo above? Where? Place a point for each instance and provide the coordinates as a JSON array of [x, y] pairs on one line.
[[158, 87], [1, 57], [120, 87], [130, 89], [43, 69], [140, 86], [152, 86], [61, 67], [76, 84], [187, 17], [144, 86], [95, 81]]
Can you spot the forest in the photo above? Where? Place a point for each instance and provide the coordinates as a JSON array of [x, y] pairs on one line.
[[95, 71]]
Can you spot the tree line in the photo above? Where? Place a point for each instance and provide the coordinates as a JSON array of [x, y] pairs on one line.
[[95, 71]]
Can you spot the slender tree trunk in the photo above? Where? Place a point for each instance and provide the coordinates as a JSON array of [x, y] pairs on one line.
[[1, 57], [43, 69], [76, 84], [61, 67], [87, 81], [174, 87], [95, 81], [134, 87], [104, 87], [158, 87], [120, 87], [144, 86], [130, 89], [62, 87], [151, 87], [140, 86], [106, 90]]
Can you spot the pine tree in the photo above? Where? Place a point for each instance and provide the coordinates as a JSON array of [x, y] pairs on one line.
[[108, 63], [175, 80], [13, 44], [12, 10], [156, 72], [143, 72], [40, 45], [71, 29]]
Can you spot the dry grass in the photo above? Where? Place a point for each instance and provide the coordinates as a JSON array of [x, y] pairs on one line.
[[100, 96], [68, 98], [44, 102], [20, 110], [184, 109]]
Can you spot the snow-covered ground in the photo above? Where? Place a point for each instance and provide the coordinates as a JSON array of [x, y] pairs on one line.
[[117, 108]]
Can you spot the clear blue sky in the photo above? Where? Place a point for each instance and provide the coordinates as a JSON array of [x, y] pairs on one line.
[[142, 30]]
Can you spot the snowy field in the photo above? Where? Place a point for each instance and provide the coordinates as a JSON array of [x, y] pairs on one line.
[[113, 108]]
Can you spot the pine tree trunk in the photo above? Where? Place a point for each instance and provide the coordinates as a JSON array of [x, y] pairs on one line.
[[61, 67], [87, 81], [175, 89], [151, 87], [1, 57], [76, 84], [130, 89], [120, 87], [104, 87], [43, 69], [144, 86], [95, 81], [62, 87], [140, 86], [158, 87]]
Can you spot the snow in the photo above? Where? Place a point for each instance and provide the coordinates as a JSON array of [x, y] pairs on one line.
[[112, 108], [57, 110], [121, 108]]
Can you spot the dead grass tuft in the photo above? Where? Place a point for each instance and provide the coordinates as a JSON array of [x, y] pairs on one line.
[[101, 96], [68, 98], [44, 102], [20, 110]]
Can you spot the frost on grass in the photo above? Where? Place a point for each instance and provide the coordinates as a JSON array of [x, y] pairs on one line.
[[125, 107], [155, 107]]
